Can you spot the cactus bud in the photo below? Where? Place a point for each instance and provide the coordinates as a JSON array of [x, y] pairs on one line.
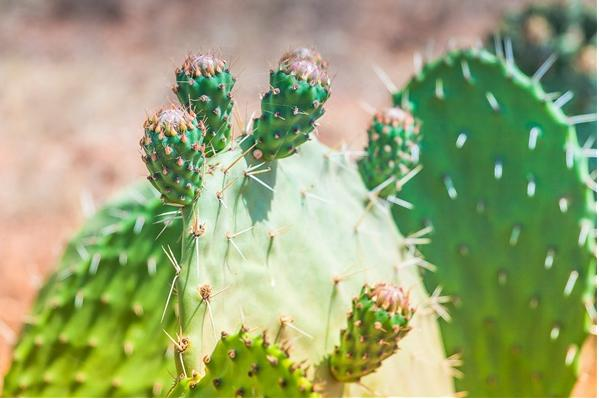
[[379, 319], [392, 150], [204, 86], [300, 86], [304, 53], [174, 165]]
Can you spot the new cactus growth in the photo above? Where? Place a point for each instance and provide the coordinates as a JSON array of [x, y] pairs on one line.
[[280, 246], [204, 86], [299, 88], [392, 151], [306, 54], [378, 320], [503, 188], [243, 365], [174, 154]]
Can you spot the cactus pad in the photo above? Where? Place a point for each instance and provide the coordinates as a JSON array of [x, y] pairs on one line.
[[204, 86], [378, 320], [392, 150], [174, 154], [299, 88], [503, 188], [96, 328], [253, 250], [246, 366]]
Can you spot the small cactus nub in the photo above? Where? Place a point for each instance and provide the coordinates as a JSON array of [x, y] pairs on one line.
[[299, 88], [392, 150], [378, 320], [204, 86], [173, 152], [304, 53]]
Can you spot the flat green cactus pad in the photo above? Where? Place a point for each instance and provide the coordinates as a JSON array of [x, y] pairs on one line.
[[273, 260], [96, 329], [246, 366], [503, 187], [564, 31], [283, 246]]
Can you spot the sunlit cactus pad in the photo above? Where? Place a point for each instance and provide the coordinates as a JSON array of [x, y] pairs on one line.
[[503, 186], [282, 246]]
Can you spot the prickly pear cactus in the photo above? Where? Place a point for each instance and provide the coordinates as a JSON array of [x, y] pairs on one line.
[[96, 327], [246, 366], [204, 85], [379, 318], [268, 255], [564, 32], [275, 240], [173, 149], [504, 188], [393, 139], [291, 107]]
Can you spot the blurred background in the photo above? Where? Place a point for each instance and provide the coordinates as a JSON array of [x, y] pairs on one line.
[[77, 78]]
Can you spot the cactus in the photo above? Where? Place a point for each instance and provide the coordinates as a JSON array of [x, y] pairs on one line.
[[271, 241], [564, 32], [392, 151], [174, 154], [291, 107], [379, 318], [503, 188], [245, 366], [95, 329], [204, 86]]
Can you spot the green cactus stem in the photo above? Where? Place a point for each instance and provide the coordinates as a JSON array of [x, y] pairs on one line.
[[204, 86], [298, 90]]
